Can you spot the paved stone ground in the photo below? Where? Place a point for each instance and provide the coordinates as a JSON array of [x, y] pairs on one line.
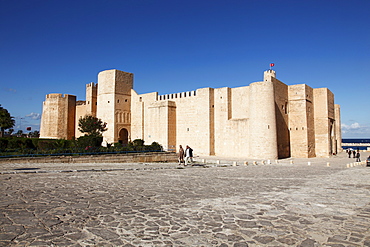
[[218, 204]]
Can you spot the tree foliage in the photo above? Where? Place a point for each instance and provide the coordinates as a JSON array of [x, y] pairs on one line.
[[6, 121], [91, 126]]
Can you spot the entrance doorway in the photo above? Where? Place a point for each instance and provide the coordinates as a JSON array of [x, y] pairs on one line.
[[123, 137]]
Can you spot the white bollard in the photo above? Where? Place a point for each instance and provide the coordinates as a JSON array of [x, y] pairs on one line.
[[234, 163], [254, 163], [328, 164], [269, 162], [245, 163], [309, 163], [291, 162], [276, 162], [218, 162], [347, 165]]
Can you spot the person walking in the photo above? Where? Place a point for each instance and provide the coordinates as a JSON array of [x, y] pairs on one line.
[[188, 155], [358, 156], [181, 155]]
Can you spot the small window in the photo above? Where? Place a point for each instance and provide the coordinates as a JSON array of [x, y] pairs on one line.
[[125, 100], [118, 101], [108, 102]]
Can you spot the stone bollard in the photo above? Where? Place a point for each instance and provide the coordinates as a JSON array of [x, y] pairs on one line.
[[328, 164], [269, 162], [254, 163], [245, 163], [276, 162], [203, 161], [309, 163], [350, 164], [234, 163], [291, 162], [262, 162], [218, 162], [347, 165]]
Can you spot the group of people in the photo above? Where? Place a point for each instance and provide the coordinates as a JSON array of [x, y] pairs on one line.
[[354, 154], [186, 156]]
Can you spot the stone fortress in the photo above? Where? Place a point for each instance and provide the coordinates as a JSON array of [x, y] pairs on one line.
[[265, 120]]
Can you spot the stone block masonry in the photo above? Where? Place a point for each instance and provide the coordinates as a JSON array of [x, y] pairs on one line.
[[263, 120]]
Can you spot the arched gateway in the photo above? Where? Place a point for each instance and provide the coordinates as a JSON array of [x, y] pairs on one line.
[[123, 136]]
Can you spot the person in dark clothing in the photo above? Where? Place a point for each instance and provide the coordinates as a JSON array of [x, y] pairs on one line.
[[358, 156]]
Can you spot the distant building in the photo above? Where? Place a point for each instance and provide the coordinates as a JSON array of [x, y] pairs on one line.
[[265, 120]]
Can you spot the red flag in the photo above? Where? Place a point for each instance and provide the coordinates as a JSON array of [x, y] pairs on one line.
[[272, 64], [28, 128]]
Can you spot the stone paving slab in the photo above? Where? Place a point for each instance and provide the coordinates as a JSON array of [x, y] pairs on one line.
[[218, 204]]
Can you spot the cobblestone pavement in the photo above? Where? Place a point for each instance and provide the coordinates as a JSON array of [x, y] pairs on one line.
[[293, 203]]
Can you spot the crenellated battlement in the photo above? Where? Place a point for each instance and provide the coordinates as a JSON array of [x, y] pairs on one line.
[[177, 95], [58, 95], [92, 85], [268, 74]]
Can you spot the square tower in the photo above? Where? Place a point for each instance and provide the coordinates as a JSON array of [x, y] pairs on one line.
[[114, 105]]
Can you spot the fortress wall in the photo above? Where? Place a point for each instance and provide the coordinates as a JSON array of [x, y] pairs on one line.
[[70, 115], [177, 119], [282, 119], [80, 112], [250, 121], [262, 126], [160, 124], [301, 121], [193, 120], [240, 102], [324, 121], [231, 121], [338, 129], [58, 117], [139, 105]]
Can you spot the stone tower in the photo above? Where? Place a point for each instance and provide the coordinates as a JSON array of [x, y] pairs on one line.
[[91, 99], [114, 104], [262, 126], [58, 116]]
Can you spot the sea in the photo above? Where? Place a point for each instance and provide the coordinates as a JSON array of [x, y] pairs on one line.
[[356, 140]]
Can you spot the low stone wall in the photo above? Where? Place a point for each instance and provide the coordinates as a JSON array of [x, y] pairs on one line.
[[105, 158]]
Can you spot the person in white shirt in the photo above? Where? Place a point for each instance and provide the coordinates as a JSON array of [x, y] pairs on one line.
[[188, 155]]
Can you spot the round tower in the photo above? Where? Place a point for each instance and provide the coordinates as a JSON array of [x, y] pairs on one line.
[[262, 124]]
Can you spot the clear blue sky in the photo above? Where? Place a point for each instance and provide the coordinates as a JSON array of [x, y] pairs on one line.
[[49, 46]]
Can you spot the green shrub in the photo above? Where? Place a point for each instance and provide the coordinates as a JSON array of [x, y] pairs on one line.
[[154, 147], [46, 145], [3, 143], [15, 143], [89, 142]]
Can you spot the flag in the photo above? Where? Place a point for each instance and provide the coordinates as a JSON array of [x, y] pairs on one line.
[[272, 64], [28, 128]]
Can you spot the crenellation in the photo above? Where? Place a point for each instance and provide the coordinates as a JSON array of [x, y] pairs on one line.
[[263, 120]]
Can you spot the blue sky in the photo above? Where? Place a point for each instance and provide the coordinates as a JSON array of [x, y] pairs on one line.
[[49, 46]]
